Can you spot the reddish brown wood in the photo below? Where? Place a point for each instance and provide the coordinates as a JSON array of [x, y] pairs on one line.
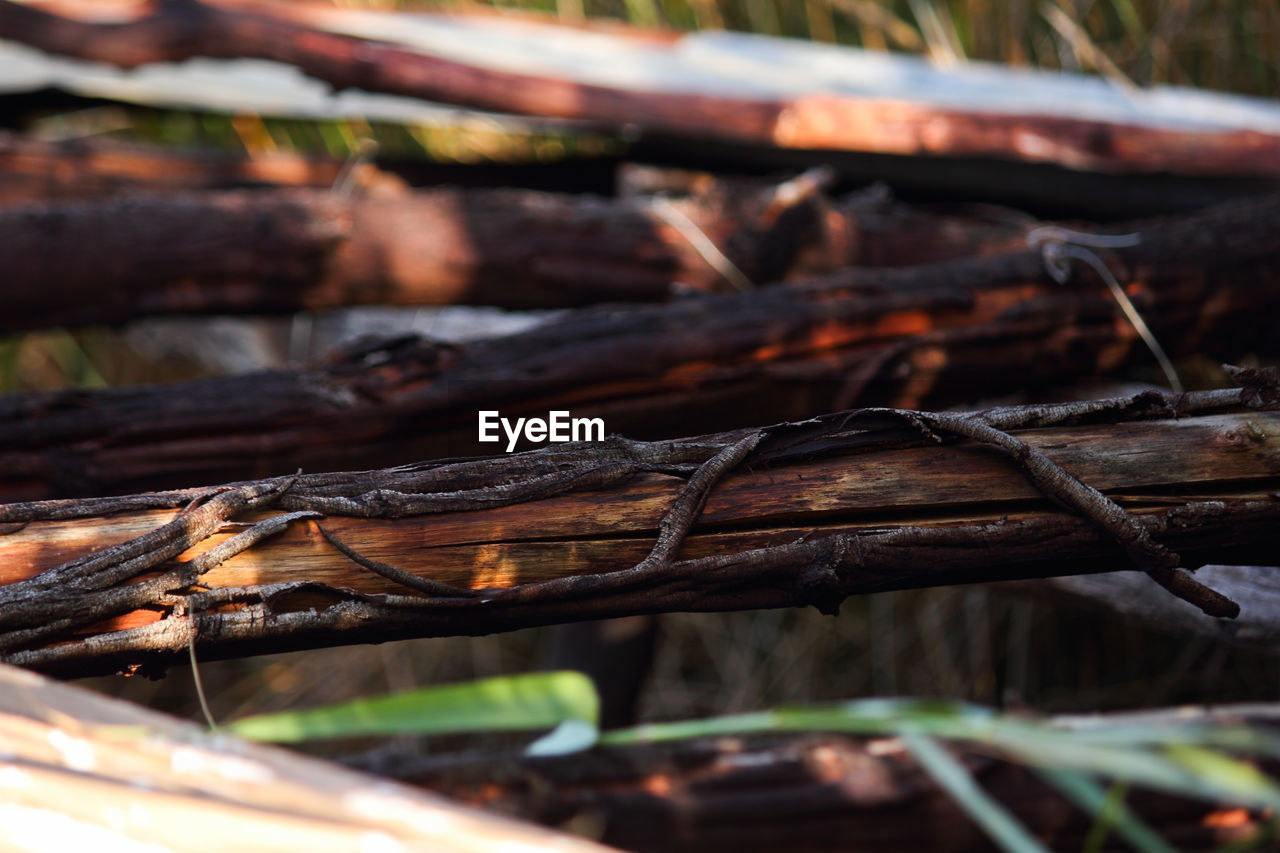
[[923, 335], [785, 530], [263, 251], [295, 34], [38, 169]]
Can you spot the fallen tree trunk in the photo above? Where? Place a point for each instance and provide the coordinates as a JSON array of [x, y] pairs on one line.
[[675, 87], [77, 765], [809, 792], [269, 251], [932, 334], [562, 534]]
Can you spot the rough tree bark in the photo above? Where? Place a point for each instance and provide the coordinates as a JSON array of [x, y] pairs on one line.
[[76, 765], [266, 251], [564, 534], [807, 793], [932, 334], [315, 39]]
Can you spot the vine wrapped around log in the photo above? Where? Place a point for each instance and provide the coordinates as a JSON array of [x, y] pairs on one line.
[[808, 513], [933, 334]]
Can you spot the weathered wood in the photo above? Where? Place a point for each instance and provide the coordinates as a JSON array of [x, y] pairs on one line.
[[808, 793], [503, 65], [80, 768], [932, 334], [496, 544], [265, 251], [40, 169]]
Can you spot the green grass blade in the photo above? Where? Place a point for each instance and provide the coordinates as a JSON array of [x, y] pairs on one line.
[[531, 701], [1109, 809], [1003, 827]]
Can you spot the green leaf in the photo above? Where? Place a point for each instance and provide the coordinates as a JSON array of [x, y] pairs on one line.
[[530, 701]]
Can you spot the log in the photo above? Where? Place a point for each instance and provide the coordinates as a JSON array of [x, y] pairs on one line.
[[40, 169], [809, 792], [781, 95], [274, 251], [844, 504], [933, 334], [78, 767]]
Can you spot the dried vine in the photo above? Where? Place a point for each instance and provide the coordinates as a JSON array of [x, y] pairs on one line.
[[821, 572]]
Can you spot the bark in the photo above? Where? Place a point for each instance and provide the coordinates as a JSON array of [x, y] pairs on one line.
[[809, 793], [271, 251], [807, 514], [39, 169], [79, 765], [825, 117], [932, 334]]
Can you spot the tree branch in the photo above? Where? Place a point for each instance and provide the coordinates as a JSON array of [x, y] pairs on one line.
[[795, 514]]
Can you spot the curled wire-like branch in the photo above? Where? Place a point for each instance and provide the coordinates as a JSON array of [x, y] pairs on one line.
[[99, 585]]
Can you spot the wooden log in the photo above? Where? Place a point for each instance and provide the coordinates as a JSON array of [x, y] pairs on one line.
[[270, 251], [932, 334], [504, 65], [80, 768], [494, 544], [809, 792], [43, 170]]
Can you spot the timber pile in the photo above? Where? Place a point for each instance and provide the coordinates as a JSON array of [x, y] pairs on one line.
[[693, 309], [934, 334]]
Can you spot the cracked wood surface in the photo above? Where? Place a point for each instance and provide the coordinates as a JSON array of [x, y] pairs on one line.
[[813, 512]]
